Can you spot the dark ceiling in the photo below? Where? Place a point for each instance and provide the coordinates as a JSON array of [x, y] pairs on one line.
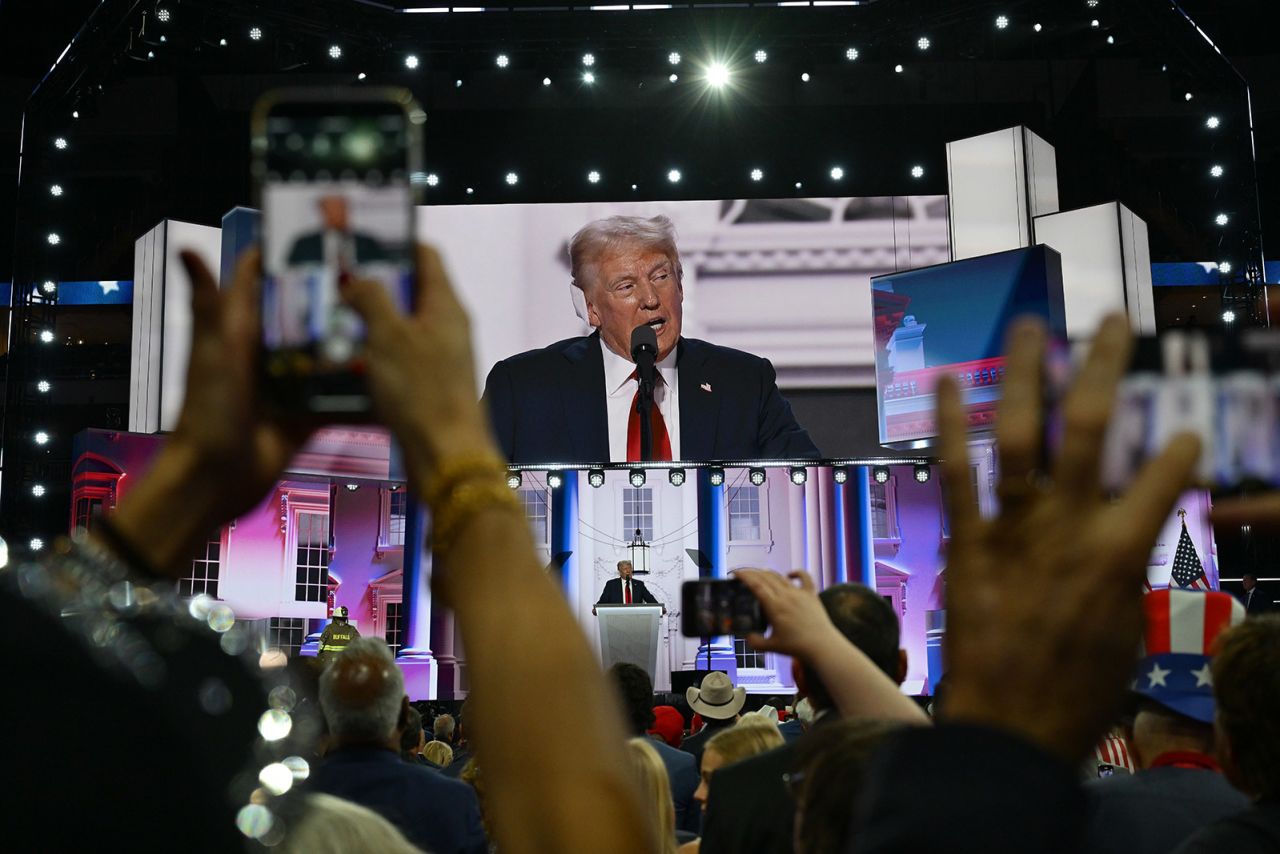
[[167, 136]]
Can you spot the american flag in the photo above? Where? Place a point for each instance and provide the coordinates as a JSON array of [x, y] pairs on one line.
[[1113, 750], [1187, 571]]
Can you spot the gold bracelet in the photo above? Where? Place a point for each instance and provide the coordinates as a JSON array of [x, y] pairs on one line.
[[456, 471], [466, 500]]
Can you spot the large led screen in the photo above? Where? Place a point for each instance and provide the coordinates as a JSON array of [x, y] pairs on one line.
[[951, 319]]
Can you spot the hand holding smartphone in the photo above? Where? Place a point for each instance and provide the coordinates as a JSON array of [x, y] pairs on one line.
[[332, 174]]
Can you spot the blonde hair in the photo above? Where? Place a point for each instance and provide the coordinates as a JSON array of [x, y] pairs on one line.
[[741, 742], [655, 789], [331, 825], [596, 238], [438, 752]]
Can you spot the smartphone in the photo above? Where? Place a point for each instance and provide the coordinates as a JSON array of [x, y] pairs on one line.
[[1224, 389], [712, 606], [332, 175]]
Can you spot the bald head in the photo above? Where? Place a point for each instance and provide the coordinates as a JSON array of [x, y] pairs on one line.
[[362, 695]]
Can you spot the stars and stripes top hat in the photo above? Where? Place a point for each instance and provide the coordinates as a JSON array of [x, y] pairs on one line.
[[1177, 648]]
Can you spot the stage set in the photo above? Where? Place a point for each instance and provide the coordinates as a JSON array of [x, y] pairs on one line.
[[884, 292]]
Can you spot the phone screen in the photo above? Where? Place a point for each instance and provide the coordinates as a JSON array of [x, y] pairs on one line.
[[336, 201], [712, 607]]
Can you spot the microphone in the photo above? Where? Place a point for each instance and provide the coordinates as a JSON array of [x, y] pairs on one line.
[[644, 352]]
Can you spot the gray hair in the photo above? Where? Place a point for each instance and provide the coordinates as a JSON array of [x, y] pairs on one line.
[[444, 726], [332, 825], [597, 237], [374, 719]]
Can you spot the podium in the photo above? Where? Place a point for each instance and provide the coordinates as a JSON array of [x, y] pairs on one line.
[[629, 633]]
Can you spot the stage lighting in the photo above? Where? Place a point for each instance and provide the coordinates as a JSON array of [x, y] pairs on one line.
[[595, 477], [1095, 23], [881, 474], [36, 544], [55, 190], [674, 176], [1212, 122], [1187, 96], [851, 54], [588, 78], [756, 476], [898, 68], [676, 477], [1092, 4], [673, 58], [917, 171], [1111, 39], [151, 54], [1228, 316], [433, 179], [255, 33], [588, 59], [222, 42], [75, 114], [761, 56], [60, 143], [674, 77], [512, 179], [593, 176], [38, 490], [1002, 22], [1215, 171], [1224, 266], [555, 479], [471, 191], [799, 474], [636, 478], [757, 174], [715, 476], [514, 479], [1037, 27], [163, 15], [717, 75], [503, 61], [840, 474], [411, 61], [1220, 219], [53, 238], [50, 286], [837, 173], [799, 185], [352, 487], [43, 387], [335, 51], [804, 78], [546, 81], [922, 473], [41, 437], [923, 43], [361, 76]]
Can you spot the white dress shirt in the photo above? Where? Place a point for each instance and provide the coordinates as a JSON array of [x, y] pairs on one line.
[[620, 390]]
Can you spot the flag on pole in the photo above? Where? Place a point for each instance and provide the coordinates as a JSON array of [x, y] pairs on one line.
[[1187, 571]]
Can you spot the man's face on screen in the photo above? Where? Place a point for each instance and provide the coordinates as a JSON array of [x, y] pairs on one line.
[[624, 570], [635, 285]]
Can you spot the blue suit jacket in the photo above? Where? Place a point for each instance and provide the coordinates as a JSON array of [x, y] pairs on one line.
[[548, 405], [682, 772], [435, 813]]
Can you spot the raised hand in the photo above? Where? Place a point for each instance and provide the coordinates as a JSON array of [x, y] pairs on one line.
[[226, 451], [1043, 602]]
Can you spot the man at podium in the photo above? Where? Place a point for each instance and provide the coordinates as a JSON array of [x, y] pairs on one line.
[[624, 590]]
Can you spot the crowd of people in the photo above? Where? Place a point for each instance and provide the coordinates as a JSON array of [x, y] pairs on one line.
[[1044, 608]]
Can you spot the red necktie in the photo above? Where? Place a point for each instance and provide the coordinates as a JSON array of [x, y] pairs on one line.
[[626, 593], [660, 446]]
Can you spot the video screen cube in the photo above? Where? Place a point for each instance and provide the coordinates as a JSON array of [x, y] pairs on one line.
[[953, 319]]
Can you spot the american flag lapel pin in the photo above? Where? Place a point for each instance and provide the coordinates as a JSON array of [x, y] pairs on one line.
[[706, 386]]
